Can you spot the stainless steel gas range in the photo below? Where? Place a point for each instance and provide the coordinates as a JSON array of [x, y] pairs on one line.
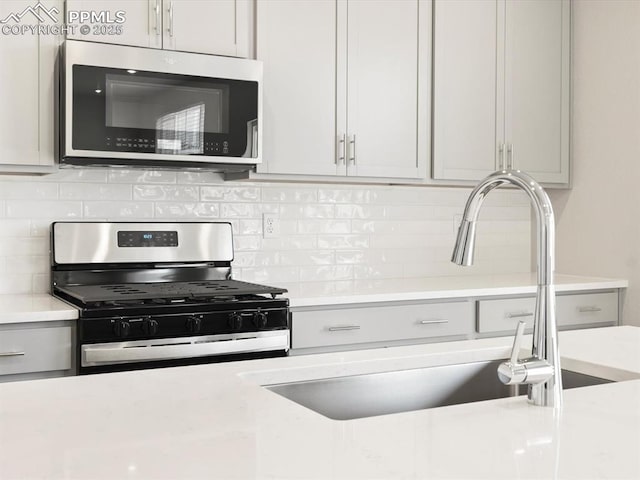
[[162, 294]]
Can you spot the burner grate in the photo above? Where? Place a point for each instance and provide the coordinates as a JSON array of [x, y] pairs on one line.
[[212, 290]]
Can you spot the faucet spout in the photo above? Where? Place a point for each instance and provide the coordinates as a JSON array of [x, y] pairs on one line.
[[541, 371]]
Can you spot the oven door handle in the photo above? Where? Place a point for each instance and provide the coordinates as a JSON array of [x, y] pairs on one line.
[[129, 352]]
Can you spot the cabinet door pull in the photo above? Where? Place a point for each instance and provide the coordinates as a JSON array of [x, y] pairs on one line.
[[157, 11], [11, 354], [501, 156], [171, 19], [589, 309], [432, 322], [352, 149], [340, 149], [342, 328], [519, 314], [509, 156]]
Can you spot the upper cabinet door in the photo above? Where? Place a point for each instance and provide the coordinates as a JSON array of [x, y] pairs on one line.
[[142, 26], [465, 72], [217, 27], [296, 40], [382, 88], [537, 88], [27, 82]]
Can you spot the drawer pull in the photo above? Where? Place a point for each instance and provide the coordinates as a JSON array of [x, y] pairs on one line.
[[520, 315], [432, 322], [589, 309], [343, 328], [11, 354]]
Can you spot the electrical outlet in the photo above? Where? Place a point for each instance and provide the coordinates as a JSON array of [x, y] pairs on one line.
[[270, 225]]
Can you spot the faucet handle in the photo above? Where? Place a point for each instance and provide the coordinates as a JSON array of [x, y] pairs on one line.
[[517, 342], [513, 372]]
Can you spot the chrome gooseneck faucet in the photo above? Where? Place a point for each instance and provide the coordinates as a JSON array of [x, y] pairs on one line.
[[541, 371]]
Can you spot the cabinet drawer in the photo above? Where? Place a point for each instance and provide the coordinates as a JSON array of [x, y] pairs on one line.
[[503, 315], [345, 326], [587, 309], [35, 350]]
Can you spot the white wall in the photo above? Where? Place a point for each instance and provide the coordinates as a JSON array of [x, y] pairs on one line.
[[339, 234], [598, 220]]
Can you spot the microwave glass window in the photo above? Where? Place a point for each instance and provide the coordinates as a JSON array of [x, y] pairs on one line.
[[147, 112]]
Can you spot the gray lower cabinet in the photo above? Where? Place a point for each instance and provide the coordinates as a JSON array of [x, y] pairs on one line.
[[578, 310], [36, 350], [350, 327], [372, 324]]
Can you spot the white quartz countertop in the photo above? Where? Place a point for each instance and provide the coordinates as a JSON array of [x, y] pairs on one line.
[[34, 308], [313, 294], [44, 307], [216, 421]]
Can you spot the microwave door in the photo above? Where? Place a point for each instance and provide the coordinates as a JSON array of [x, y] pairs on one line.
[[133, 116]]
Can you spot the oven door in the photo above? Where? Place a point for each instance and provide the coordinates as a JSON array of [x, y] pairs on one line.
[[136, 106], [157, 350]]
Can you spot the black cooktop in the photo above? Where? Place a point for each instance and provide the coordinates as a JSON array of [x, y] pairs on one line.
[[166, 292]]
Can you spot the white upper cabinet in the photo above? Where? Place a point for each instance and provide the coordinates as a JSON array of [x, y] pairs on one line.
[[142, 26], [382, 89], [501, 88], [465, 82], [220, 27], [297, 43], [27, 86], [537, 69], [342, 95]]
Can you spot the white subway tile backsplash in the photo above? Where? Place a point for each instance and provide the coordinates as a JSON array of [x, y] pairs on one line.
[[12, 247], [94, 191], [62, 209], [82, 175], [343, 241], [307, 257], [247, 242], [326, 273], [39, 191], [236, 210], [15, 228], [199, 178], [41, 283], [241, 194], [141, 176], [307, 211], [165, 192], [247, 227], [117, 210], [363, 272], [211, 194], [324, 226], [16, 283], [329, 236], [289, 195], [360, 211]]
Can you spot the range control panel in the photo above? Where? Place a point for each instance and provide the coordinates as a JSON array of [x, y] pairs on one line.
[[151, 238]]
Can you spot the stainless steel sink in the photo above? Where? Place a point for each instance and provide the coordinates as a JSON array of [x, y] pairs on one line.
[[359, 396]]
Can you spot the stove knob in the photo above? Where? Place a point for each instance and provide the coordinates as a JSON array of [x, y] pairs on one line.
[[122, 328], [260, 319], [150, 326], [235, 321], [194, 324]]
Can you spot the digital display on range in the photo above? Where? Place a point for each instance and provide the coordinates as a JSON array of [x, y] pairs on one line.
[[147, 238]]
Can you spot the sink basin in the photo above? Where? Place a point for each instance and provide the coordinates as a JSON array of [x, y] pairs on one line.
[[359, 396]]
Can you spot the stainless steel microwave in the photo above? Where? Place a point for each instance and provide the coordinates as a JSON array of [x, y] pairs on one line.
[[131, 106]]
